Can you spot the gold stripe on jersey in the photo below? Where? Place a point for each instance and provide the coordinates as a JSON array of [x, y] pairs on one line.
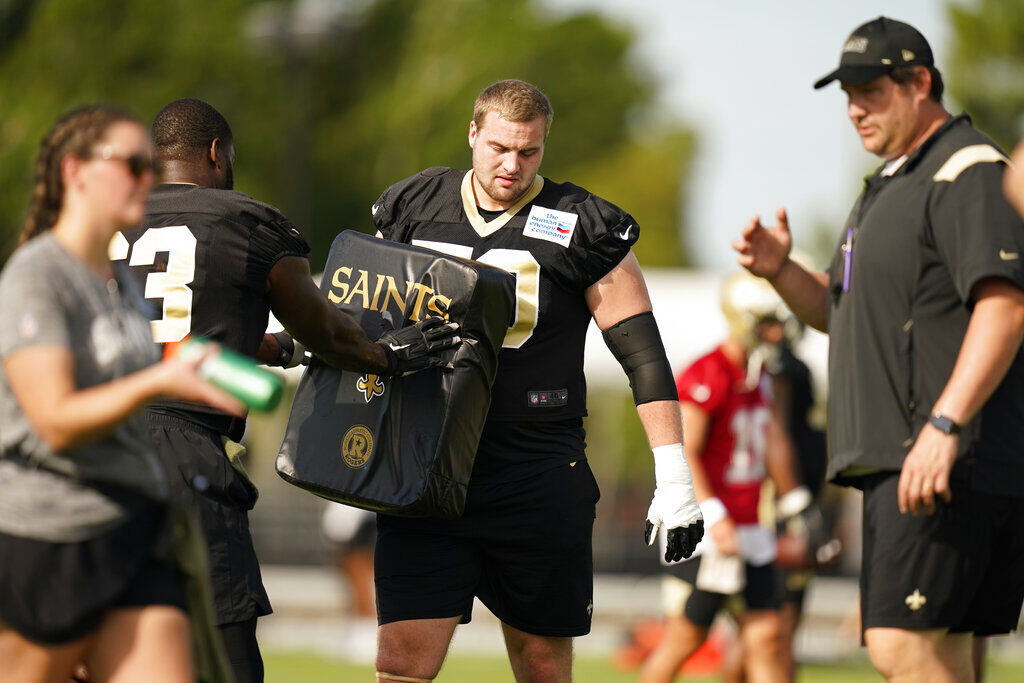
[[482, 227], [118, 248], [966, 157]]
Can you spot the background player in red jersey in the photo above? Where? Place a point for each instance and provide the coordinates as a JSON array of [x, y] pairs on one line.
[[734, 440]]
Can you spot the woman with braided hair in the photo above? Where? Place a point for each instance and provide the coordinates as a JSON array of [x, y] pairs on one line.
[[85, 573]]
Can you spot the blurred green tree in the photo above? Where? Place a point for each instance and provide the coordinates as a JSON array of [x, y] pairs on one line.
[[142, 55], [332, 101], [986, 72]]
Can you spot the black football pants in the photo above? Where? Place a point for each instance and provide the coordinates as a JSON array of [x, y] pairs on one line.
[[243, 651]]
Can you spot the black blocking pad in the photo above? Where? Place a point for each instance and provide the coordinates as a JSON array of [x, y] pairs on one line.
[[405, 445]]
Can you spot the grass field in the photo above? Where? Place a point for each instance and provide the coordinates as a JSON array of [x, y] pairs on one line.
[[298, 668]]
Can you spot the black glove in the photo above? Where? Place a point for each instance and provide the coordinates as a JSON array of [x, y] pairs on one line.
[[290, 352], [418, 346], [279, 349], [824, 548], [681, 541]]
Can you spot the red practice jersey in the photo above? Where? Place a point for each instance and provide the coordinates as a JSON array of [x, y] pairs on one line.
[[734, 452]]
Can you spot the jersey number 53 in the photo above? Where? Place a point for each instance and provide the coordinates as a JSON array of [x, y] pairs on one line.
[[172, 285]]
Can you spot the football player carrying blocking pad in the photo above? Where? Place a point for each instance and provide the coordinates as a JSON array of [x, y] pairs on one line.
[[523, 545], [230, 260]]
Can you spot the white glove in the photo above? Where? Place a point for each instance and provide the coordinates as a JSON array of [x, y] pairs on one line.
[[674, 504], [793, 503]]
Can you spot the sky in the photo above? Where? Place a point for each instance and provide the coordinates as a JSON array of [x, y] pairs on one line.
[[741, 72]]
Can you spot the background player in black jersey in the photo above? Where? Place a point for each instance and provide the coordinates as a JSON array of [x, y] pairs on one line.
[[220, 261], [523, 545], [793, 397]]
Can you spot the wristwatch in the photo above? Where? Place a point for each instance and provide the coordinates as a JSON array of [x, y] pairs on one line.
[[944, 424]]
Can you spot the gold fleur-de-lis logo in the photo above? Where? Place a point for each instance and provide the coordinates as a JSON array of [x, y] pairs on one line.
[[915, 600], [371, 386]]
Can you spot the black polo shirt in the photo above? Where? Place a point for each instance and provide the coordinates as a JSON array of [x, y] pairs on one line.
[[914, 245]]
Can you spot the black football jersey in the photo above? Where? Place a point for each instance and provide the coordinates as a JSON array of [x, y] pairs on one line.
[[557, 240], [808, 442], [203, 257]]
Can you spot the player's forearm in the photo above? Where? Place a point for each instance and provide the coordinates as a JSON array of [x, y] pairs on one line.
[[993, 337], [805, 292], [696, 424], [343, 344], [663, 426], [661, 423], [269, 351], [328, 332], [93, 413], [701, 484], [65, 417]]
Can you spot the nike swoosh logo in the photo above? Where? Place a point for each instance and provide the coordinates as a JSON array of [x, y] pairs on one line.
[[399, 348], [625, 233], [1008, 255], [373, 209]]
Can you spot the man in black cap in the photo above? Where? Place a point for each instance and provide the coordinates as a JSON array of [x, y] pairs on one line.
[[924, 305]]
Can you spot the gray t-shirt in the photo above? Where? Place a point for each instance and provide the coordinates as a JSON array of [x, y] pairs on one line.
[[50, 298]]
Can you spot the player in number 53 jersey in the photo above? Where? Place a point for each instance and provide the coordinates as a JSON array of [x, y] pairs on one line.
[[215, 262], [523, 545]]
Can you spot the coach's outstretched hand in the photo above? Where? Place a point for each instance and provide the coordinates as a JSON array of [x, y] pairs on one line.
[[674, 505], [763, 250], [418, 346]]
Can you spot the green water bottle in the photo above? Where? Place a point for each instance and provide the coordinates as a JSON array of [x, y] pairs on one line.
[[238, 375]]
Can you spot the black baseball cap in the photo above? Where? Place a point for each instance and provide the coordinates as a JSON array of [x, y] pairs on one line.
[[876, 48]]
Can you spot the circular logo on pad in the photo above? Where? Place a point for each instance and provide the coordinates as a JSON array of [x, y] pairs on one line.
[[357, 446]]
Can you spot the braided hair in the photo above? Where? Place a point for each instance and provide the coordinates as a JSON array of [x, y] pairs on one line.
[[74, 133]]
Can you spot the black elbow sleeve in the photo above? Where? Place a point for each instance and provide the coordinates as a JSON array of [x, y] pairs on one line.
[[636, 344]]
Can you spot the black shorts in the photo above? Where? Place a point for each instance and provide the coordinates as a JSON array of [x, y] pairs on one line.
[[202, 475], [792, 586], [523, 547], [961, 568], [57, 592], [680, 594]]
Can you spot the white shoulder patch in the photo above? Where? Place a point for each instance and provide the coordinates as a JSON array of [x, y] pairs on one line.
[[963, 159], [551, 225]]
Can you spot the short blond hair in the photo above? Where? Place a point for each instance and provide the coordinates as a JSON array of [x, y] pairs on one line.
[[515, 101]]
